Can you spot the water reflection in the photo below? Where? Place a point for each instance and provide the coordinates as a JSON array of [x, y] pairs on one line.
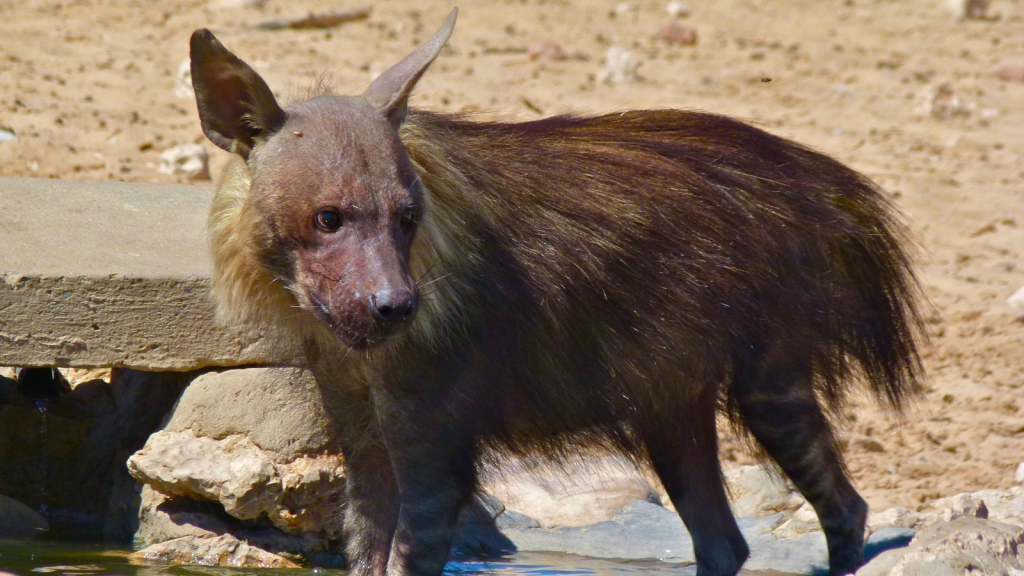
[[85, 559]]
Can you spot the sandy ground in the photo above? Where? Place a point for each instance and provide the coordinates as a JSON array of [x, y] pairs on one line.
[[86, 86]]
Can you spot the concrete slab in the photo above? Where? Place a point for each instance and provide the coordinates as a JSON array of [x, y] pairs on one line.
[[104, 274]]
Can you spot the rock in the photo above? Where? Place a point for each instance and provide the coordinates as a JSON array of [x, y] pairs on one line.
[[165, 518], [804, 520], [898, 518], [1017, 301], [677, 9], [756, 492], [1006, 507], [281, 410], [209, 451], [620, 66], [625, 8], [223, 550], [969, 9], [546, 49], [639, 531], [802, 554], [941, 101], [510, 519], [233, 472], [231, 4], [188, 159], [1018, 476], [19, 521], [885, 539], [576, 493], [1011, 72], [966, 545], [644, 531], [676, 34], [6, 134], [960, 505], [76, 376], [247, 453], [183, 81], [865, 444]]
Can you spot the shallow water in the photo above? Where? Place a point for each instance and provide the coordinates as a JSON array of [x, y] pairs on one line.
[[87, 559]]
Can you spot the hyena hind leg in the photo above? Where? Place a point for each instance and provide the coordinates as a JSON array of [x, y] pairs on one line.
[[683, 449], [777, 402]]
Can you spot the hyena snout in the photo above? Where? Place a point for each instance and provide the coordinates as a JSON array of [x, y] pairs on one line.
[[393, 307]]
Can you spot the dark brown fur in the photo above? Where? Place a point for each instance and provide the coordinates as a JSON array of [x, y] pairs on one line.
[[608, 281]]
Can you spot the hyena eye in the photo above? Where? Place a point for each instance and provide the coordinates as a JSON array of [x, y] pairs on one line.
[[407, 219], [327, 219]]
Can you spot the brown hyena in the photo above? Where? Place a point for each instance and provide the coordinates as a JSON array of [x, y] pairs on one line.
[[611, 280]]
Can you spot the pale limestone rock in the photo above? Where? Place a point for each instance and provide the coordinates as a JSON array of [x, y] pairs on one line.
[[576, 493], [183, 81], [235, 4], [960, 505], [626, 8], [1017, 301], [233, 471], [225, 550], [966, 545], [188, 159], [677, 9], [302, 496], [942, 101], [898, 518], [620, 66], [757, 492], [804, 520], [1006, 507]]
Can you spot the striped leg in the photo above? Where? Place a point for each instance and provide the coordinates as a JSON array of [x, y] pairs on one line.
[[684, 453], [778, 403]]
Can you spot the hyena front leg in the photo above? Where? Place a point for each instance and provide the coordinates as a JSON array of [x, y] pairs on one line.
[[432, 453], [778, 403], [371, 510], [373, 502]]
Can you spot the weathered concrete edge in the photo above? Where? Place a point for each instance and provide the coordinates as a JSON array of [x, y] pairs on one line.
[[141, 323]]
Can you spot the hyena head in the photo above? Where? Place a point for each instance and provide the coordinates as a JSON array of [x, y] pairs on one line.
[[332, 201]]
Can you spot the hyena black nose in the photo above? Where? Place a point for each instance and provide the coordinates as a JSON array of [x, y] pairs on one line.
[[393, 305]]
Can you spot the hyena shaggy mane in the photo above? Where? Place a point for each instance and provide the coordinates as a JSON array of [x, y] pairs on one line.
[[611, 280]]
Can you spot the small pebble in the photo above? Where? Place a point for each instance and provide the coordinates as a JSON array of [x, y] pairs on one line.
[[623, 8], [188, 159], [1019, 476], [183, 82], [677, 9], [619, 66], [237, 3], [547, 50], [942, 101], [1011, 72], [677, 34], [1017, 301]]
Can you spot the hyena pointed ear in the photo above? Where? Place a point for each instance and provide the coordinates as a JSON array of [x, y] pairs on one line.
[[390, 91], [236, 107]]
